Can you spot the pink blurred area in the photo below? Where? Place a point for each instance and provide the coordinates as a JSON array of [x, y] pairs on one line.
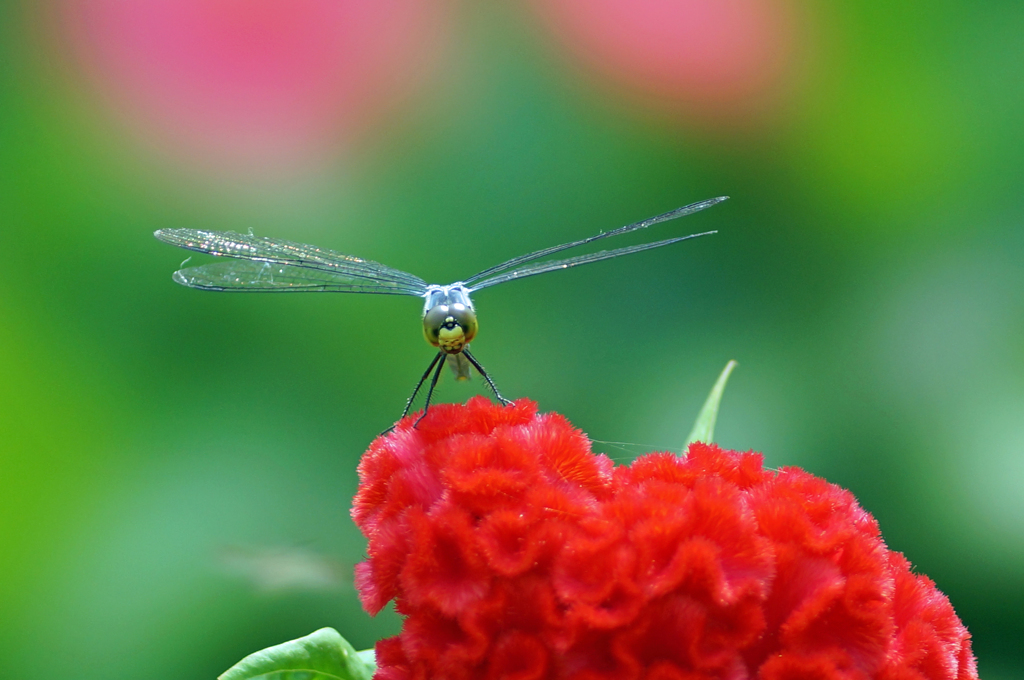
[[719, 63], [253, 86]]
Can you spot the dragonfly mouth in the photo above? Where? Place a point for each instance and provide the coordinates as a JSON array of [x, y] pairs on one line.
[[451, 338]]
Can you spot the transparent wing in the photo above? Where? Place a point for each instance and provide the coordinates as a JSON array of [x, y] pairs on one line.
[[268, 277], [542, 267], [488, 277], [303, 267]]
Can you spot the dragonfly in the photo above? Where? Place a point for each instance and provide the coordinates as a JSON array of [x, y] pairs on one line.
[[266, 265]]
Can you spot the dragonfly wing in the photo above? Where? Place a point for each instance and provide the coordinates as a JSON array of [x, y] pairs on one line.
[[262, 277], [297, 255], [492, 272], [555, 265]]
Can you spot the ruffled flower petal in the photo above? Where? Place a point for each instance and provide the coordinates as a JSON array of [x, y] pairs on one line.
[[514, 552]]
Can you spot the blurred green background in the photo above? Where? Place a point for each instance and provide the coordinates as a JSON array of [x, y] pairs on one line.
[[176, 467]]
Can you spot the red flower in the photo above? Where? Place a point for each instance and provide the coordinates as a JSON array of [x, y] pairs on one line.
[[515, 552]]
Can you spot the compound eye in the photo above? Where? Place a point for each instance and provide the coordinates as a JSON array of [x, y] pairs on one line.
[[465, 318], [433, 321]]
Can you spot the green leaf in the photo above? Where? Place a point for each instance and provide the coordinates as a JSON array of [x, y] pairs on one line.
[[323, 655], [704, 428]]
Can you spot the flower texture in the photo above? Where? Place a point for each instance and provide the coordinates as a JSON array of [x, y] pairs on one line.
[[515, 552]]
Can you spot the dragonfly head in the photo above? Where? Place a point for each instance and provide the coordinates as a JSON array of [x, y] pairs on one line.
[[450, 326]]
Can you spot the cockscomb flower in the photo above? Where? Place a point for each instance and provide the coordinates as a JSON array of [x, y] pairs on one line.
[[515, 552]]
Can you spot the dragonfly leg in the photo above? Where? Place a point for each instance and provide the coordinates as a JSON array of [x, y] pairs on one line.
[[408, 404], [476, 364], [430, 392]]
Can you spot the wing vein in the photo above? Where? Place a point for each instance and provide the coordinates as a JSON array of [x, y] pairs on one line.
[[494, 271], [264, 264], [543, 267]]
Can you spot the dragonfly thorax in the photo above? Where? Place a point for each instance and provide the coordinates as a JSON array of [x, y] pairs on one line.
[[449, 321]]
